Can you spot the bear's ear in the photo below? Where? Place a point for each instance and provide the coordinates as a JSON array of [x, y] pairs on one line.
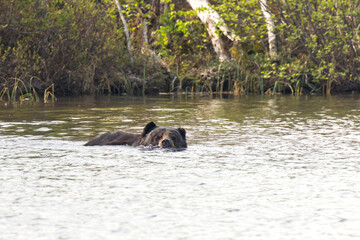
[[148, 128], [182, 132]]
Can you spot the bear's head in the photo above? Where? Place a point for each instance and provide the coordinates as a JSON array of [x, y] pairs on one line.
[[164, 137]]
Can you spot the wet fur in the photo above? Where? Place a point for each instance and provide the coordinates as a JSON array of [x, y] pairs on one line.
[[152, 135]]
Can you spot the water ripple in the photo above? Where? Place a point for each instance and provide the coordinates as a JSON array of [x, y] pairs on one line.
[[256, 170]]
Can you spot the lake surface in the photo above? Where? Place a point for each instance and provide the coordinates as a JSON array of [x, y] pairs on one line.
[[278, 167]]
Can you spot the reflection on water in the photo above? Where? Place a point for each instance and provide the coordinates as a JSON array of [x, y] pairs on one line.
[[255, 168]]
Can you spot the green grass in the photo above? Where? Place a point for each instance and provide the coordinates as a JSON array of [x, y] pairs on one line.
[[19, 92]]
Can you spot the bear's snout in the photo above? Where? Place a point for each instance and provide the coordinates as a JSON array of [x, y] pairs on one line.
[[165, 143]]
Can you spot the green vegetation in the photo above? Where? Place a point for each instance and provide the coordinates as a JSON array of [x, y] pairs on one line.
[[21, 93], [72, 47], [78, 46]]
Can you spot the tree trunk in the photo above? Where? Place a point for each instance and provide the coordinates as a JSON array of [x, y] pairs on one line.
[[214, 22], [271, 30], [155, 8], [126, 30]]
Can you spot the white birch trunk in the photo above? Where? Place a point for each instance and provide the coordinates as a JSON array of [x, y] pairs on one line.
[[214, 21], [126, 30], [271, 29]]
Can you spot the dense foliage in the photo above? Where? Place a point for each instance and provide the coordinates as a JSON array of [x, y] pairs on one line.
[[80, 47], [320, 42], [318, 46]]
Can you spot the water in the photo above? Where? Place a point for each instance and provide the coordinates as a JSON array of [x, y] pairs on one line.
[[278, 167]]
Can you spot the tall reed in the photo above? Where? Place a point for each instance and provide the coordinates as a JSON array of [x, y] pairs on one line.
[[49, 92], [4, 91], [19, 92], [143, 81], [261, 85]]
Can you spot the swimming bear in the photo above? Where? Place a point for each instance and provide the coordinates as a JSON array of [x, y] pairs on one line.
[[152, 135]]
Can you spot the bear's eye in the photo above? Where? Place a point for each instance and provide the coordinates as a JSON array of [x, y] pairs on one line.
[[157, 138]]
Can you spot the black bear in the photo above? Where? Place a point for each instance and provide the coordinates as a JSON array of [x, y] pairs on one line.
[[152, 135]]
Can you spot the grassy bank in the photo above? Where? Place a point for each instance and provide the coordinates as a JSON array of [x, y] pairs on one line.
[[79, 47]]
